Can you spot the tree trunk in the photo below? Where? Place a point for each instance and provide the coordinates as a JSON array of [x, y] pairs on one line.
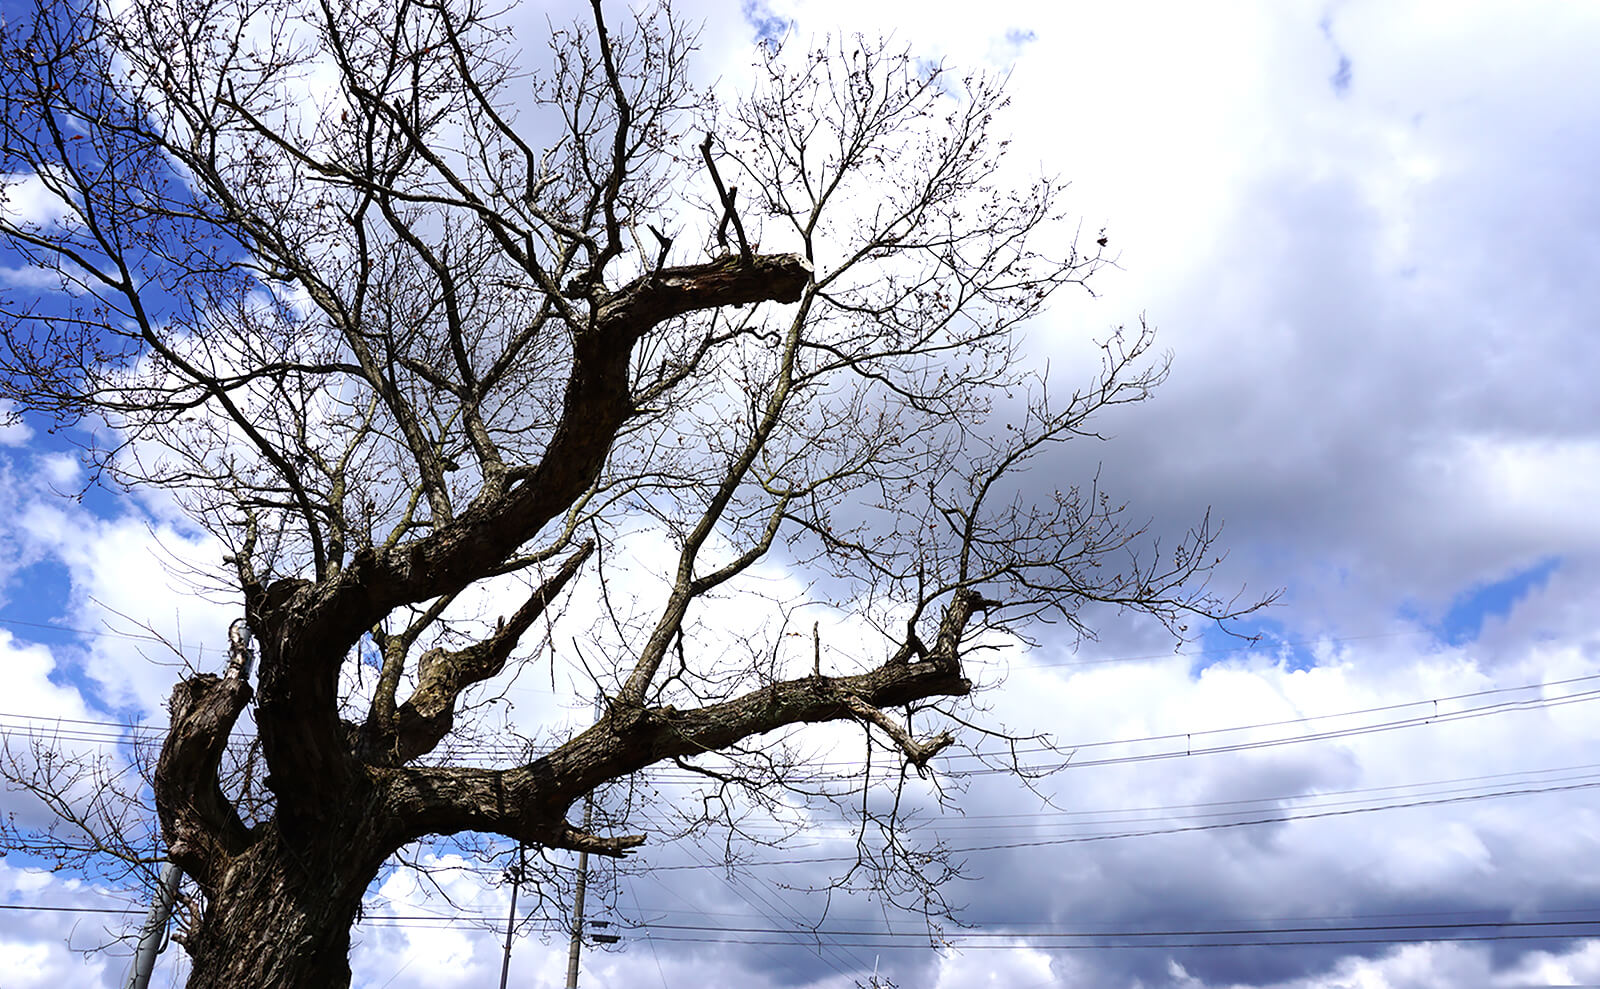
[[281, 917]]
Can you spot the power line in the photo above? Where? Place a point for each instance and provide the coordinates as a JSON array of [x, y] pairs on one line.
[[407, 917], [1434, 716], [977, 932], [1138, 937], [1190, 750], [46, 908], [1434, 701], [1199, 810], [1585, 780], [1177, 829], [1093, 946], [1437, 918]]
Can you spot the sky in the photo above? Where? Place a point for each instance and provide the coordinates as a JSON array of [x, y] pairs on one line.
[[1367, 233]]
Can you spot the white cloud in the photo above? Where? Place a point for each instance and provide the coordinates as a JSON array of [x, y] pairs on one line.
[[1424, 966], [27, 199], [32, 278], [1019, 967], [30, 689], [63, 471], [13, 431]]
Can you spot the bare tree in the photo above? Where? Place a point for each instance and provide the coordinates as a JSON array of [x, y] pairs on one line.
[[405, 324]]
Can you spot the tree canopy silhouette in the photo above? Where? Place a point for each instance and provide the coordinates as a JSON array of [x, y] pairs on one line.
[[428, 337]]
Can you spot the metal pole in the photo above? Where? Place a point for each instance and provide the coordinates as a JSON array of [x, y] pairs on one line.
[[155, 928], [576, 947], [511, 918]]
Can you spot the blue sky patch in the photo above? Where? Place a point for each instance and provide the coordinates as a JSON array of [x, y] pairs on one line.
[[1463, 620], [769, 27], [37, 595]]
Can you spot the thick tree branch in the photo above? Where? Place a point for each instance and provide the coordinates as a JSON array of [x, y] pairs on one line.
[[530, 803], [203, 830], [442, 674]]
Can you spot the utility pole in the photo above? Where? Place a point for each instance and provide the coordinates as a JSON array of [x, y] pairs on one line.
[[576, 947], [153, 934], [155, 928], [511, 918]]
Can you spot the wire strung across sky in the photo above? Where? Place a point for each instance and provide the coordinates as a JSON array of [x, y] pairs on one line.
[[1591, 781], [1529, 781], [1058, 827], [979, 935], [1282, 818], [1022, 941]]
